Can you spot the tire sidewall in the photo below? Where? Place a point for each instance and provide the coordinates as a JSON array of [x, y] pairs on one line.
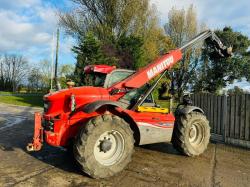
[[197, 118], [91, 164]]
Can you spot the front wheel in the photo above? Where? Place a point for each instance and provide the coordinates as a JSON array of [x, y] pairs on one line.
[[191, 134], [104, 146]]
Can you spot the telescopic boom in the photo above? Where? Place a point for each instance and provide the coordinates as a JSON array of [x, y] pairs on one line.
[[166, 61]]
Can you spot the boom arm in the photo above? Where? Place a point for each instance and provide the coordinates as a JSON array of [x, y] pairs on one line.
[[166, 61]]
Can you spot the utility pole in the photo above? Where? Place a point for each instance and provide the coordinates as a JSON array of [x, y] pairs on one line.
[[52, 61], [58, 86]]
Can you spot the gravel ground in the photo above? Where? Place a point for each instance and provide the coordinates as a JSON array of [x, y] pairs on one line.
[[152, 165]]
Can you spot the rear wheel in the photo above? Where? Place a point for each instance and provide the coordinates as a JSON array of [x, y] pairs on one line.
[[104, 146], [191, 134]]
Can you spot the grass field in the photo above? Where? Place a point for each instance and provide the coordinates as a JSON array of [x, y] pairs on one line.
[[3, 92], [34, 100]]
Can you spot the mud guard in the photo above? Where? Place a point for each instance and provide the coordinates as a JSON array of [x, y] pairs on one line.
[[188, 109], [89, 108]]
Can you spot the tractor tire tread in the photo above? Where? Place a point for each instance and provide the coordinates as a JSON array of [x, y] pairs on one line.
[[82, 155], [181, 125]]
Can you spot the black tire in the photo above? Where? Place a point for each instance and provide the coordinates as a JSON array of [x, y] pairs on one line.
[[87, 144], [191, 134], [69, 148]]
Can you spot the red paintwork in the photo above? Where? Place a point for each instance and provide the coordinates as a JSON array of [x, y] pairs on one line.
[[66, 123], [155, 119], [66, 126], [99, 68], [141, 77], [36, 145]]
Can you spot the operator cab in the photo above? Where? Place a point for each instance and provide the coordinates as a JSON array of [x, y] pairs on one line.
[[95, 75], [105, 76]]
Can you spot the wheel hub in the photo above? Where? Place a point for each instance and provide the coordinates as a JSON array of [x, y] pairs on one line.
[[109, 147], [105, 145], [196, 134], [192, 133]]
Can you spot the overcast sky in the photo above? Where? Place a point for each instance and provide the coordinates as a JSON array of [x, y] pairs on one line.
[[27, 25]]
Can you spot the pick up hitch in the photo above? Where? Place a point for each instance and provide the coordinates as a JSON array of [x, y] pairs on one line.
[[36, 144]]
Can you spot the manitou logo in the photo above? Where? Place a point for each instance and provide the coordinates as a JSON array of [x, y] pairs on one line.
[[160, 67]]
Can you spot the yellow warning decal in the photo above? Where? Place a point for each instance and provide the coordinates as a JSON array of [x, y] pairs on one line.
[[152, 109]]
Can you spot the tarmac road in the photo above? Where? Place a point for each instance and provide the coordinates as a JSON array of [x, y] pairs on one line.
[[152, 165]]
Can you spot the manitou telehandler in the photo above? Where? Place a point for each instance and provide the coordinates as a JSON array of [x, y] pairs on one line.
[[103, 121]]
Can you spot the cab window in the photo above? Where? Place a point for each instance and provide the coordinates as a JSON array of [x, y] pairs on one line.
[[118, 76], [130, 98], [95, 79]]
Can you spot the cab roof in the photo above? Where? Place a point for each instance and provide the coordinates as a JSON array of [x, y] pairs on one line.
[[99, 68]]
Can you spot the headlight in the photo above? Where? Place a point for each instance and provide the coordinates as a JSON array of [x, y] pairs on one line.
[[72, 103], [46, 106]]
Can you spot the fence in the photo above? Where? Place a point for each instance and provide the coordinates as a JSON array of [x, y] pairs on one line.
[[229, 117]]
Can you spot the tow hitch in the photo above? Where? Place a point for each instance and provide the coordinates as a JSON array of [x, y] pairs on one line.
[[36, 145]]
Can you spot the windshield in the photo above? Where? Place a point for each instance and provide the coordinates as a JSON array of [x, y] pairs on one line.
[[94, 79], [117, 76]]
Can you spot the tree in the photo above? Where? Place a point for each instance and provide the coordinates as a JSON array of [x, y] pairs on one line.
[[65, 73], [127, 31], [130, 52], [108, 20], [213, 74], [183, 26], [35, 79], [45, 70], [89, 51], [155, 41], [66, 70], [12, 72], [39, 76], [236, 91]]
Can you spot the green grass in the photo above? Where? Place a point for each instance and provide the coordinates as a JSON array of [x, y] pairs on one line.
[[4, 92], [23, 100]]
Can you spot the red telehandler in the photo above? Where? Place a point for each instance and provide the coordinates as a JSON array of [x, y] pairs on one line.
[[102, 122]]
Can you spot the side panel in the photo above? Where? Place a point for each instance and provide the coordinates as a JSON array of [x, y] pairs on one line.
[[154, 134], [153, 127]]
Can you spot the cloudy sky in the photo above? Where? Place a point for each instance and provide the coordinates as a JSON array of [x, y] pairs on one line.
[[27, 26], [216, 14]]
